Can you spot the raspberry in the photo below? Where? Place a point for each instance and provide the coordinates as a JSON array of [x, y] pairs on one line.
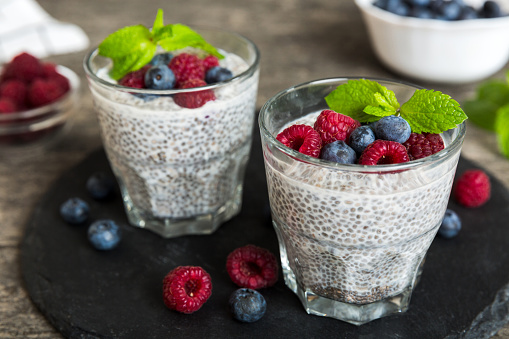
[[473, 188], [194, 99], [209, 62], [7, 106], [15, 90], [302, 138], [334, 126], [422, 145], [135, 79], [185, 67], [42, 92], [24, 67], [186, 289], [382, 152], [252, 267]]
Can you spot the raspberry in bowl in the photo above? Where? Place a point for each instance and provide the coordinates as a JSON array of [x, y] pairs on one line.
[[37, 101], [177, 136], [353, 232]]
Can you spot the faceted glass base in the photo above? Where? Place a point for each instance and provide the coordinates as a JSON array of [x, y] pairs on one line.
[[355, 314], [175, 227]]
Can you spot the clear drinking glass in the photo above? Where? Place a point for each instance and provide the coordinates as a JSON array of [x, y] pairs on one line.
[[352, 238], [180, 170]]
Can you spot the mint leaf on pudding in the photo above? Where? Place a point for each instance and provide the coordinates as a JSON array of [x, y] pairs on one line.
[[502, 129], [368, 101], [132, 47], [363, 100], [432, 112]]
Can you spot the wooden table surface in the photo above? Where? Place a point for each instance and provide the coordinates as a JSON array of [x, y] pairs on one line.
[[299, 40]]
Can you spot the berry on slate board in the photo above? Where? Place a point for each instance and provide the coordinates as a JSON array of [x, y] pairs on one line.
[[247, 305], [473, 188], [194, 99], [332, 126], [104, 234], [302, 138], [100, 185], [252, 267], [451, 225], [382, 152], [74, 210], [338, 151], [186, 289]]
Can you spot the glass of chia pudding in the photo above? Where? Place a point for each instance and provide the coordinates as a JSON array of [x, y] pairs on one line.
[[180, 159], [352, 237]]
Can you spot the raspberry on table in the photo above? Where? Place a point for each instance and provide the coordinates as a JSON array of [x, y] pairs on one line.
[[473, 188], [7, 106], [422, 145], [42, 92], [247, 305], [187, 66], [24, 67], [194, 99], [252, 267], [302, 138], [382, 152], [332, 126], [15, 90], [186, 289]]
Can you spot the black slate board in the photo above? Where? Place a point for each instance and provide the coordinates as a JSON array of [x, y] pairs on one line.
[[84, 293]]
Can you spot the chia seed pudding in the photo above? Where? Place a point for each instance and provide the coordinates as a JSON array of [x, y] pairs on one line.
[[173, 163], [352, 236]]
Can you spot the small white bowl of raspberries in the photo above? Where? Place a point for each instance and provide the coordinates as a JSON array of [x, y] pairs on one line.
[[37, 100]]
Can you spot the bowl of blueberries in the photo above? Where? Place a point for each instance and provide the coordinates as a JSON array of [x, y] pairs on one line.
[[442, 41]]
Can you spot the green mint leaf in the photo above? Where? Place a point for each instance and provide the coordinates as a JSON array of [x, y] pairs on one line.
[[482, 113], [432, 112], [363, 100], [130, 48], [491, 95], [178, 36], [158, 22], [502, 129]]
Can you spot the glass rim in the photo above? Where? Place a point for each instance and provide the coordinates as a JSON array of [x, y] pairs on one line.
[[452, 148], [94, 52]]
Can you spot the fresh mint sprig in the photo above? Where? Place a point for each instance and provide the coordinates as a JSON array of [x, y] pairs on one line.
[[132, 47], [490, 110], [368, 101]]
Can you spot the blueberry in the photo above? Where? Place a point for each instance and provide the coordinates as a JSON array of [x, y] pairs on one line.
[[393, 128], [161, 59], [100, 185], [418, 3], [218, 74], [491, 9], [450, 10], [468, 13], [421, 13], [159, 77], [104, 234], [361, 137], [398, 7], [74, 211], [338, 151], [247, 305], [451, 225]]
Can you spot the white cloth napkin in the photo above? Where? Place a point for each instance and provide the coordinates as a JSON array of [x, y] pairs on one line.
[[26, 27]]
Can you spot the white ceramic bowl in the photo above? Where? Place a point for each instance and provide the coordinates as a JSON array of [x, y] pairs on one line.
[[451, 52]]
